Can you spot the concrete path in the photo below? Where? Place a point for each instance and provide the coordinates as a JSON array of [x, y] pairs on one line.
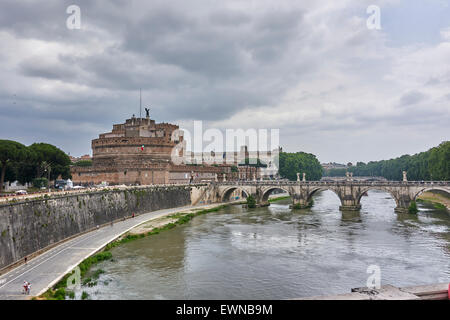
[[48, 268]]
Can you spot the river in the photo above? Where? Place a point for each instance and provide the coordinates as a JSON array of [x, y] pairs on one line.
[[277, 253]]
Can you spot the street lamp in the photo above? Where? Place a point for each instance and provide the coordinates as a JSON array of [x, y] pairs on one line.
[[47, 168]]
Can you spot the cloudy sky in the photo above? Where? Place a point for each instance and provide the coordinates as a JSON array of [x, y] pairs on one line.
[[312, 69]]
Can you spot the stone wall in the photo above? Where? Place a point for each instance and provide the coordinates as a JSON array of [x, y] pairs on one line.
[[28, 226], [114, 176]]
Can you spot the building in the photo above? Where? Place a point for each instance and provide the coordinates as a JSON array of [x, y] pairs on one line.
[[11, 186], [142, 152], [244, 162], [76, 159], [139, 152], [334, 165]]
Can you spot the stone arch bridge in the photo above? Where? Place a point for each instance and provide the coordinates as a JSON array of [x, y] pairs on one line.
[[349, 192]]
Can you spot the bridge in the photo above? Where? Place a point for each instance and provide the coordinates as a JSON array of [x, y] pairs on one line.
[[349, 191]]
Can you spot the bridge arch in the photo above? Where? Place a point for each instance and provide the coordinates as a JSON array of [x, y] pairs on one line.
[[312, 192], [267, 191], [380, 188], [431, 188], [227, 193]]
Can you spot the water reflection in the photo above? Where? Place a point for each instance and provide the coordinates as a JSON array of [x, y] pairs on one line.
[[278, 253]]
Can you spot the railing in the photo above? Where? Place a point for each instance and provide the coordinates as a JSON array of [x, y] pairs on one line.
[[335, 183], [59, 193], [9, 197]]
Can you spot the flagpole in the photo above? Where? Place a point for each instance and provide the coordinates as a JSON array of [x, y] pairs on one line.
[[140, 103]]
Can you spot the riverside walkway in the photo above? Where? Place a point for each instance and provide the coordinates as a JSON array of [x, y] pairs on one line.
[[48, 268]]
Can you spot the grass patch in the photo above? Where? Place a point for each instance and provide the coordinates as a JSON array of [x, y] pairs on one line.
[[181, 219], [436, 205], [60, 294], [297, 206], [279, 198], [413, 207], [97, 273], [439, 206], [58, 291]]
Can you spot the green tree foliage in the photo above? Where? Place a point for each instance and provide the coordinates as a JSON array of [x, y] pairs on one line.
[[291, 163], [251, 201], [26, 172], [83, 163], [10, 173], [40, 182], [18, 162], [413, 207], [47, 157], [11, 152], [253, 163], [433, 164]]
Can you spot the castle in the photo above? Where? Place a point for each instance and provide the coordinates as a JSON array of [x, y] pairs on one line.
[[140, 152]]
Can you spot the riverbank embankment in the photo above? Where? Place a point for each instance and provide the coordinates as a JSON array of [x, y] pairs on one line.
[[29, 227], [149, 227], [439, 200], [388, 292]]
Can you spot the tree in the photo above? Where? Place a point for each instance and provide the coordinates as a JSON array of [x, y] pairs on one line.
[[40, 182], [433, 164], [83, 163], [11, 153], [291, 163], [10, 173], [251, 202], [49, 161], [253, 163]]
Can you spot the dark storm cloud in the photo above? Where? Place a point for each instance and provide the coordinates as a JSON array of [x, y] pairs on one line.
[[203, 46], [229, 18], [193, 60], [164, 48], [272, 34], [35, 67], [411, 98], [31, 19]]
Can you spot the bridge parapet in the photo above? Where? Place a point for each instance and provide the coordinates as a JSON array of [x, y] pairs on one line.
[[292, 183], [348, 191]]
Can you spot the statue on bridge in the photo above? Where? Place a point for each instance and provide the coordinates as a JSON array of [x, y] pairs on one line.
[[349, 176], [349, 191]]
